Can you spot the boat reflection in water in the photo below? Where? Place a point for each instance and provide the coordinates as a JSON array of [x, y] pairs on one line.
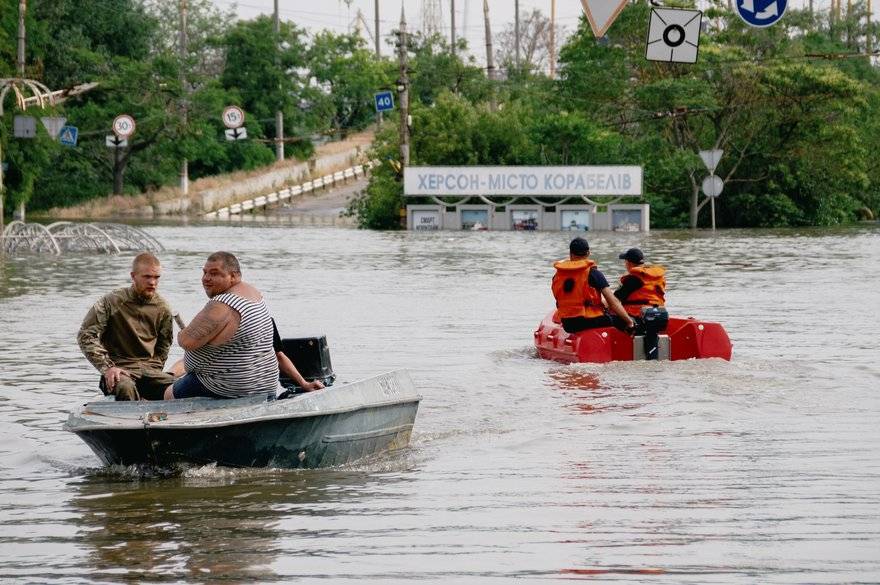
[[209, 523]]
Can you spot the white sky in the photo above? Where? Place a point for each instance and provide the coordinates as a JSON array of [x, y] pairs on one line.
[[339, 15]]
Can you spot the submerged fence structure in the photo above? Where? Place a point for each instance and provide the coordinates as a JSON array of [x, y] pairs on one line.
[[66, 236]]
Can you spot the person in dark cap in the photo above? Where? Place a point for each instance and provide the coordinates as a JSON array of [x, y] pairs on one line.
[[643, 285], [580, 289]]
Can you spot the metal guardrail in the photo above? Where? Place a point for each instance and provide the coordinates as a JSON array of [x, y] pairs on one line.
[[285, 194]]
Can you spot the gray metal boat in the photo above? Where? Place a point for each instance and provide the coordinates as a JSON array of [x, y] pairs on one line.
[[333, 426]]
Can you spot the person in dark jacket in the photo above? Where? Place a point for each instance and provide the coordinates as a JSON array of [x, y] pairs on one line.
[[126, 335]]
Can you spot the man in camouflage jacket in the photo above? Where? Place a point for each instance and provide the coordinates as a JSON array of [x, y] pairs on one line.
[[126, 335]]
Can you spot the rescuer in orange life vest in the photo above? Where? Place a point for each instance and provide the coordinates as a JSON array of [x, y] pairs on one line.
[[579, 289], [642, 285]]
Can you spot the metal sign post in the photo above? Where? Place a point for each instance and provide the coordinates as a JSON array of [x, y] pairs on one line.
[[712, 187]]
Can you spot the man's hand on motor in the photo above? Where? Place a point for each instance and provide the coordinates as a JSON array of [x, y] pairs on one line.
[[112, 376]]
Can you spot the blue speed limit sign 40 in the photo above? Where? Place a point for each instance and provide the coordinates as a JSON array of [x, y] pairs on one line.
[[384, 101]]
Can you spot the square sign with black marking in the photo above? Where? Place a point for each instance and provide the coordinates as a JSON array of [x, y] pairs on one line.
[[674, 35]]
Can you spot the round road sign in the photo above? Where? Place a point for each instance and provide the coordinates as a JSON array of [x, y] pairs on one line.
[[713, 185], [233, 117], [123, 126]]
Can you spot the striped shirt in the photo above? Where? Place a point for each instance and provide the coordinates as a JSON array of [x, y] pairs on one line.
[[244, 365]]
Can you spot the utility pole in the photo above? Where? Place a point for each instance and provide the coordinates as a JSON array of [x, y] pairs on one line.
[[184, 166], [490, 61], [403, 92], [279, 115], [22, 8], [516, 29], [375, 29], [552, 39], [452, 26]]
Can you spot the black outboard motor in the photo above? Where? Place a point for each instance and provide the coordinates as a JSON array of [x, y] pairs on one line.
[[655, 319], [311, 356]]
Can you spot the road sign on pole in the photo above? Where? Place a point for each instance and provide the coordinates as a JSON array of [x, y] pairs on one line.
[[114, 141], [24, 126], [384, 101], [673, 35], [711, 158], [236, 133], [123, 126], [233, 117], [761, 13], [712, 186], [602, 13], [53, 125], [68, 135]]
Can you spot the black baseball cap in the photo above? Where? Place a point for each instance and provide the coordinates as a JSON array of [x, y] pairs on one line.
[[634, 255], [579, 247]]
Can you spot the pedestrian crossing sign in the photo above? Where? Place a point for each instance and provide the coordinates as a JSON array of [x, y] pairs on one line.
[[68, 135]]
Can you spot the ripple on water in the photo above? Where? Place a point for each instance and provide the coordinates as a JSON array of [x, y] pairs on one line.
[[763, 469]]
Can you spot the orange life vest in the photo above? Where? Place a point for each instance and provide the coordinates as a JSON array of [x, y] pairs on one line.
[[572, 291], [652, 293]]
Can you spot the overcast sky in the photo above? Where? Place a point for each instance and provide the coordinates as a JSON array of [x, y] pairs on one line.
[[338, 15]]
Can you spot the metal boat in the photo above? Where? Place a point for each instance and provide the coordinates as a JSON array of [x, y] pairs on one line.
[[328, 427]]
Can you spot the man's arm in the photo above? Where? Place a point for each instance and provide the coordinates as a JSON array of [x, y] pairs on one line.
[[89, 340], [289, 370], [164, 335], [630, 285], [215, 322], [615, 305], [89, 336]]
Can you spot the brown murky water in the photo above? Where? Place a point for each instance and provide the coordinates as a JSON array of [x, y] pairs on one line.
[[762, 470]]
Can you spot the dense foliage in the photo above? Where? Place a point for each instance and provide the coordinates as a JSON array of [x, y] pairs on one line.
[[132, 49], [796, 107]]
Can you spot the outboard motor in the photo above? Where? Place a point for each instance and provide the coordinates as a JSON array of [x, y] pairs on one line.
[[311, 356], [655, 319]]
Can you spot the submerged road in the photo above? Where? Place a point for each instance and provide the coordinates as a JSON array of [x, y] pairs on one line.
[[763, 470]]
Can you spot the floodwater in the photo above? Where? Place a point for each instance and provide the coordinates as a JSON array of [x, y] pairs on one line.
[[765, 469]]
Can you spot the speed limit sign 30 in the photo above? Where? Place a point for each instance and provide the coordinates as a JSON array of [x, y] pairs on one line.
[[123, 126], [233, 117]]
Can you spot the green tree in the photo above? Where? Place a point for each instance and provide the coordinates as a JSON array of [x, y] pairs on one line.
[[349, 75], [267, 76]]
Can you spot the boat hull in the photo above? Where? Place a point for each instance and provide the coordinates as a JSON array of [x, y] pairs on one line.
[[683, 338], [330, 427]]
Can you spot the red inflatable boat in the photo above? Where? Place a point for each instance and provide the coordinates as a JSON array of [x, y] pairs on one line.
[[682, 339]]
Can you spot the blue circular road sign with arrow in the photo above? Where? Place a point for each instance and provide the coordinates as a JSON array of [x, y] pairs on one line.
[[761, 13]]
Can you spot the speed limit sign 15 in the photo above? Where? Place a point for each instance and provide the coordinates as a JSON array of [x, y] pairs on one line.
[[233, 117], [123, 126]]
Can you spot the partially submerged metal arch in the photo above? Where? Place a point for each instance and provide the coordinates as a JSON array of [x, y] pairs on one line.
[[66, 236]]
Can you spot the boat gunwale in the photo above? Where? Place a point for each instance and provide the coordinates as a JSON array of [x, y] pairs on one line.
[[288, 407], [140, 423]]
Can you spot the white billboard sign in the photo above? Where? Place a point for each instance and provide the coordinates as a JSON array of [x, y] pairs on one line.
[[523, 181]]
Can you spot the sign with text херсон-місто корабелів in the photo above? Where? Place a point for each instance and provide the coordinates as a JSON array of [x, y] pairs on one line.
[[525, 181]]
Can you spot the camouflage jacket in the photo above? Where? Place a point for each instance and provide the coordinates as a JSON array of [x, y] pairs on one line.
[[125, 330]]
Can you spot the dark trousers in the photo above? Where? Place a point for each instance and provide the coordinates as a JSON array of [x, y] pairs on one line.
[[575, 324], [146, 386]]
